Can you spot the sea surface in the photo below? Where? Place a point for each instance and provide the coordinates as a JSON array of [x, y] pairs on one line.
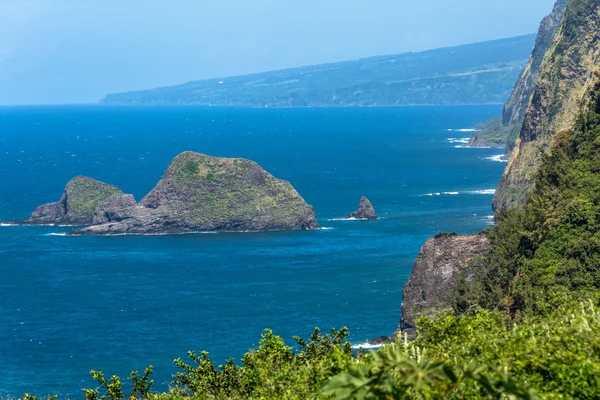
[[72, 304]]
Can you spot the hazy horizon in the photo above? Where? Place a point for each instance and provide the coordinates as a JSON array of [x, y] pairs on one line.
[[67, 51]]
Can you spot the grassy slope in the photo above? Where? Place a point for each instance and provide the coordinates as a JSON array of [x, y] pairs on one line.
[[84, 194]]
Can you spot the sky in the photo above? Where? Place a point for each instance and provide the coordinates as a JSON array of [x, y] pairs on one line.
[[76, 51]]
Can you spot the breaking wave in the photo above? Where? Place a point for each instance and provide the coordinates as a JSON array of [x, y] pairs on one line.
[[498, 158], [458, 140], [464, 130], [482, 191]]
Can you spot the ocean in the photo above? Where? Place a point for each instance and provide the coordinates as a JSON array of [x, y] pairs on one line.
[[72, 304]]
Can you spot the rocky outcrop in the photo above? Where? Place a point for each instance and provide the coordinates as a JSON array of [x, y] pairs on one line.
[[504, 132], [365, 211], [562, 89], [482, 142], [116, 208], [443, 258], [203, 193], [75, 207]]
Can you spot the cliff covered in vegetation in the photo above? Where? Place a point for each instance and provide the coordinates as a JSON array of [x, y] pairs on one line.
[[561, 90]]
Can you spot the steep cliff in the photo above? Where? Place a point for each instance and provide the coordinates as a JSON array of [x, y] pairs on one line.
[[503, 132], [514, 108], [443, 258], [561, 90], [202, 193]]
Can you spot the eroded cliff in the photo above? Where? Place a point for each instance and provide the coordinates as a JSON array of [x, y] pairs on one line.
[[562, 89]]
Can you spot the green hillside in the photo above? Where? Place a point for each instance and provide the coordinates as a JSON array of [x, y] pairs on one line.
[[479, 73]]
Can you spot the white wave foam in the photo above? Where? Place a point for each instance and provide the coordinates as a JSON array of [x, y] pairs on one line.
[[490, 219], [458, 140], [367, 346], [464, 130], [9, 225], [484, 191], [346, 219], [498, 158], [327, 228], [462, 146], [55, 234]]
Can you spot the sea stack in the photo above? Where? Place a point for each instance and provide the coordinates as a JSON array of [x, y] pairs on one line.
[[365, 211], [75, 207], [199, 193]]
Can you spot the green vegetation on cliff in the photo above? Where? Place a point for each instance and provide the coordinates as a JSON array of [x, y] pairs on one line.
[[549, 251], [84, 194], [494, 133], [480, 73]]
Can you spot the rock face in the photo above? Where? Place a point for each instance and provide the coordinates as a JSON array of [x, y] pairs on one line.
[[562, 89], [365, 210], [443, 258], [202, 193], [75, 207], [514, 108], [116, 208], [505, 132]]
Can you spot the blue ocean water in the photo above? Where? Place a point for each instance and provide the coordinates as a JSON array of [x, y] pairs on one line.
[[72, 304]]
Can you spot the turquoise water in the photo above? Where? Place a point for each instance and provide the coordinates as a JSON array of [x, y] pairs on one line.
[[72, 304]]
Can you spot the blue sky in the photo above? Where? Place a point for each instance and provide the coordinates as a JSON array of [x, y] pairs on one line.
[[75, 51]]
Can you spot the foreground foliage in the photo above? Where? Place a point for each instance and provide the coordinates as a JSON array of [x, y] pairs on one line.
[[478, 356], [548, 252]]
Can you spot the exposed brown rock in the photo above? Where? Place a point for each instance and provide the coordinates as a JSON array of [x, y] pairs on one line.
[[443, 258]]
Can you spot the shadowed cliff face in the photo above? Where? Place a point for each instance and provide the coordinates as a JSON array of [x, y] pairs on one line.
[[561, 90], [442, 260]]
